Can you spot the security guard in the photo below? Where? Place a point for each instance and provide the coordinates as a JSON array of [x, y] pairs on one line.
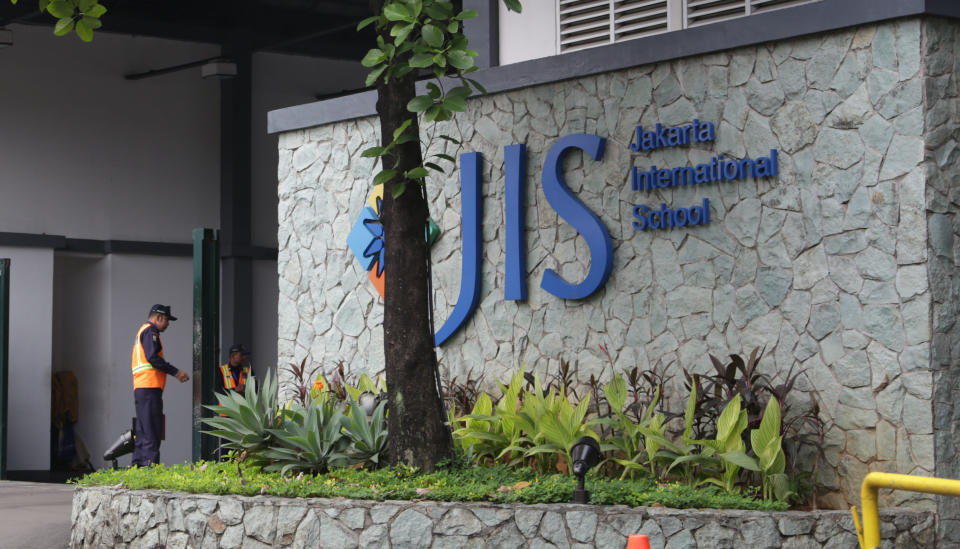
[[234, 374], [150, 372]]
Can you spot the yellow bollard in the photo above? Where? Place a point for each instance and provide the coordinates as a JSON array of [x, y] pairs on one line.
[[869, 535]]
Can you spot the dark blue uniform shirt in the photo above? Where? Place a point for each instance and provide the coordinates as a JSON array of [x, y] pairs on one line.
[[150, 339]]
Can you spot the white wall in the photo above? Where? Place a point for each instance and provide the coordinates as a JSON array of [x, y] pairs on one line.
[[531, 34], [265, 301], [88, 154], [31, 310]]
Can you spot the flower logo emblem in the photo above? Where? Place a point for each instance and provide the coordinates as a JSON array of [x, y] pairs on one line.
[[366, 238]]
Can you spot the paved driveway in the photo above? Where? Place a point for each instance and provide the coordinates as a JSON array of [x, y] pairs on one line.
[[34, 515]]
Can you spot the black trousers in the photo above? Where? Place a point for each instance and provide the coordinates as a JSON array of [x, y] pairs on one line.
[[149, 403]]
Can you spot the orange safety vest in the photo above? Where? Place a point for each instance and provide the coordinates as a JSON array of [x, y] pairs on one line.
[[228, 383], [145, 376]]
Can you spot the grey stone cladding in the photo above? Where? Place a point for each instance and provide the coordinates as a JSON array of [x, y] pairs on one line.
[[843, 266], [108, 517]]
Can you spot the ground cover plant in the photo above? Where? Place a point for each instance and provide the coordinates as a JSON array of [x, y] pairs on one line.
[[453, 482]]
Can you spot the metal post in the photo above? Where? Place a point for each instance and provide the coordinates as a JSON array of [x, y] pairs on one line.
[[4, 356], [206, 333]]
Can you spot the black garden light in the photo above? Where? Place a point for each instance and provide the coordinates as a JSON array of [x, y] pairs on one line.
[[122, 446], [585, 454]]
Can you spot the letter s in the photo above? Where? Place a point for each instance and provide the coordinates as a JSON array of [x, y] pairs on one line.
[[574, 212]]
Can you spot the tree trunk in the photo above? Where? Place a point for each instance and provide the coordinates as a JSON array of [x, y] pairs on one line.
[[418, 434]]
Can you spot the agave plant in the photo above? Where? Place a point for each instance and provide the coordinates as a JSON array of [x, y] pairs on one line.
[[368, 434], [246, 421], [310, 439]]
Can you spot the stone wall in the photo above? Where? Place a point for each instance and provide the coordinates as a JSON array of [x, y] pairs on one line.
[[941, 163], [827, 266], [108, 517]]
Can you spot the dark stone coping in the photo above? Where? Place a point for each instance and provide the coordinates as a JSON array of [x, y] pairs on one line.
[[825, 15]]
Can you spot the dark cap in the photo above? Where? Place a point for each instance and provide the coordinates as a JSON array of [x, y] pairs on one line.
[[162, 309], [239, 348]]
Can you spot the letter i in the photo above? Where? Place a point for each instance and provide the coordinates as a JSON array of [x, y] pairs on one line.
[[515, 175]]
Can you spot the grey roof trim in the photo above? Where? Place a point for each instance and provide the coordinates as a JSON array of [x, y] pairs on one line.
[[132, 247], [821, 16]]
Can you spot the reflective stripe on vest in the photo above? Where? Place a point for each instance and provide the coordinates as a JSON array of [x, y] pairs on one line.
[[228, 377], [145, 376]]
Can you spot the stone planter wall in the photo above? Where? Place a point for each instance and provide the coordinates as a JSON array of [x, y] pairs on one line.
[[840, 266], [108, 517]]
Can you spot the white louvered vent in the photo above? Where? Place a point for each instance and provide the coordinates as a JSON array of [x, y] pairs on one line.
[[584, 23], [589, 23], [760, 6], [637, 18], [700, 12]]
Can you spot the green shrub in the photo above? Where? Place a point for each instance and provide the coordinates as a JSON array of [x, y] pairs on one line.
[[499, 484]]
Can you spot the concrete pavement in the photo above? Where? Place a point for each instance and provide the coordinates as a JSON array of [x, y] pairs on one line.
[[34, 515]]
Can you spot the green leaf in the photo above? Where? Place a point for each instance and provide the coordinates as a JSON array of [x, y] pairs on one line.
[[728, 419], [374, 74], [401, 32], [477, 85], [396, 11], [406, 138], [420, 103], [435, 168], [450, 139], [446, 157], [432, 35], [462, 92], [453, 27], [402, 128], [84, 5], [421, 60], [83, 31], [63, 26], [398, 189], [366, 22], [616, 393], [741, 459], [372, 152], [460, 59], [373, 57], [384, 176], [417, 173], [439, 10], [96, 10], [91, 22], [467, 14], [513, 5], [455, 104], [60, 9]]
